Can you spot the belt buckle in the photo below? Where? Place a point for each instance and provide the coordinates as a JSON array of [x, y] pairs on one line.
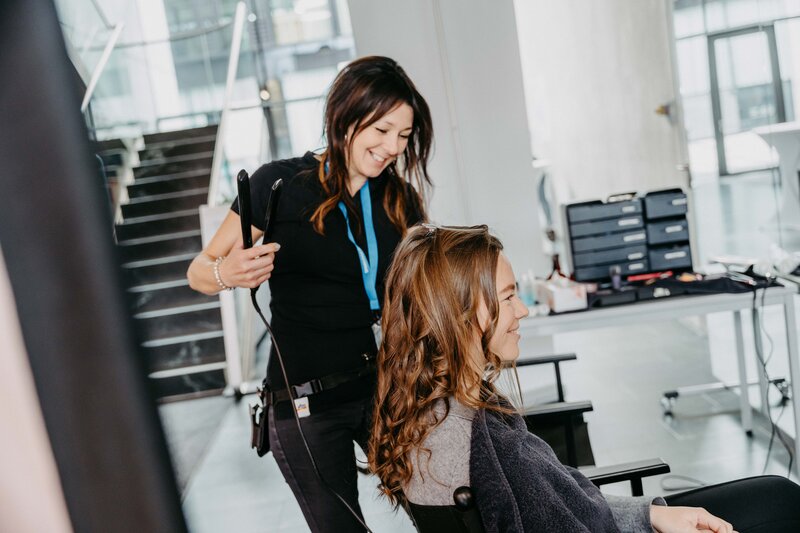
[[306, 389]]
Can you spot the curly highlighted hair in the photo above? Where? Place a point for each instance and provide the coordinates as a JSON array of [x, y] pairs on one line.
[[437, 280]]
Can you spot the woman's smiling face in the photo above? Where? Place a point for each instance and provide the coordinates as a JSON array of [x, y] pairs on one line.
[[505, 341], [376, 146]]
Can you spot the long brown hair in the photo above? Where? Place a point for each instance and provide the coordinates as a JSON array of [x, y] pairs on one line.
[[435, 284], [363, 92]]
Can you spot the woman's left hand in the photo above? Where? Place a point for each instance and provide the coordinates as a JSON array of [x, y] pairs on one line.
[[686, 520]]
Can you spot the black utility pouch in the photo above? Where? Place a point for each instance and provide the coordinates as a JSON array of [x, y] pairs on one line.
[[259, 435]]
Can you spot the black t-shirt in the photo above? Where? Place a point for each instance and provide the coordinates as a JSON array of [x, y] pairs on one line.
[[320, 310]]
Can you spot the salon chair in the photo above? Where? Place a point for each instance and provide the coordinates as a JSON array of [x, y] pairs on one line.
[[560, 424]]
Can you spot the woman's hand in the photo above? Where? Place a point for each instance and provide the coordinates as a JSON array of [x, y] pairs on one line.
[[248, 267], [686, 520]]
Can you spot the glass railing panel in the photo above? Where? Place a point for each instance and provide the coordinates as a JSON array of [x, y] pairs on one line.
[[82, 24]]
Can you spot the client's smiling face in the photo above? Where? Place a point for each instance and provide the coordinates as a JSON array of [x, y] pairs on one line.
[[505, 341]]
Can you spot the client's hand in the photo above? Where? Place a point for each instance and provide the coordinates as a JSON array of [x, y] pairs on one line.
[[686, 520]]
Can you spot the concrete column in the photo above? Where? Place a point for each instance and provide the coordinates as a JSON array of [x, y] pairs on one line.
[[595, 73], [463, 55]]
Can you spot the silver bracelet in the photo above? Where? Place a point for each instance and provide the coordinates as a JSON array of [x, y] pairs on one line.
[[217, 262]]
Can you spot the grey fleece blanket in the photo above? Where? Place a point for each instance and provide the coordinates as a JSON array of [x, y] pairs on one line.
[[510, 468]]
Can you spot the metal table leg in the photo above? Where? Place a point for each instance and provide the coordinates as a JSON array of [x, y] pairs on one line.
[[744, 400], [761, 357], [794, 372]]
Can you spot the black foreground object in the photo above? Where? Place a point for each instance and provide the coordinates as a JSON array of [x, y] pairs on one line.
[[56, 234]]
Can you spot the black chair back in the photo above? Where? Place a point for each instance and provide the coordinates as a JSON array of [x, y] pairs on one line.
[[462, 517]]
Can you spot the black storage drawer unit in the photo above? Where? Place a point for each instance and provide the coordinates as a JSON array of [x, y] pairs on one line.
[[613, 240], [584, 212], [601, 272], [662, 204], [606, 226], [615, 255], [670, 257], [641, 234], [672, 230]]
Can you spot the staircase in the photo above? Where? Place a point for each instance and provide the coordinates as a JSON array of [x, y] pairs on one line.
[[158, 238]]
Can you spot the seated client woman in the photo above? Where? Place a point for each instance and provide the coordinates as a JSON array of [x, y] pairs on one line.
[[450, 323]]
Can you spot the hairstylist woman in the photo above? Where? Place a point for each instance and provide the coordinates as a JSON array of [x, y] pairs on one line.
[[341, 214]]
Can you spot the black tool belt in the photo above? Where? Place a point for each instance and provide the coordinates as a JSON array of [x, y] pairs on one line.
[[323, 383]]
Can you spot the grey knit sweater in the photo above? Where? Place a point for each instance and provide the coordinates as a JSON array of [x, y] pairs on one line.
[[559, 493]]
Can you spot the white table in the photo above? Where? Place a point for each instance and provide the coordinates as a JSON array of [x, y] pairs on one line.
[[785, 138], [681, 306]]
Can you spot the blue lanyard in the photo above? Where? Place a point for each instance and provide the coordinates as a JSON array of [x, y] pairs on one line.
[[369, 261]]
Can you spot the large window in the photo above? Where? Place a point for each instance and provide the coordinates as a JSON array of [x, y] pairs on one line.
[[169, 66], [738, 68], [294, 49]]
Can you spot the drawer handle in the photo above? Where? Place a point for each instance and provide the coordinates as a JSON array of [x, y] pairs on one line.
[[634, 257], [679, 201], [634, 237], [635, 266], [674, 255], [673, 229], [629, 209], [627, 222]]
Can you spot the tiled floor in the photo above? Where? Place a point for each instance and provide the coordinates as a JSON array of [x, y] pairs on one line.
[[623, 370]]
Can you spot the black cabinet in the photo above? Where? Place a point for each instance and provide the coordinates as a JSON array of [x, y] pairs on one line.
[[639, 233], [669, 230], [670, 257], [662, 204]]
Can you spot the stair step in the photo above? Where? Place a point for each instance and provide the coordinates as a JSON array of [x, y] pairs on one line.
[[193, 179], [190, 385], [177, 148], [157, 261], [197, 351], [159, 238], [111, 159], [168, 195], [190, 369], [181, 158], [172, 309], [182, 322], [159, 216], [108, 145], [164, 136], [181, 141], [171, 166], [136, 289], [182, 201], [158, 224], [198, 335], [153, 251], [148, 298]]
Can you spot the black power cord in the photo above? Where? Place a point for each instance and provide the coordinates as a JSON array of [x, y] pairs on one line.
[[243, 185], [758, 327], [297, 418]]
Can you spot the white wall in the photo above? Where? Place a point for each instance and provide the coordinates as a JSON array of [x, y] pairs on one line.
[[463, 55], [594, 74]]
